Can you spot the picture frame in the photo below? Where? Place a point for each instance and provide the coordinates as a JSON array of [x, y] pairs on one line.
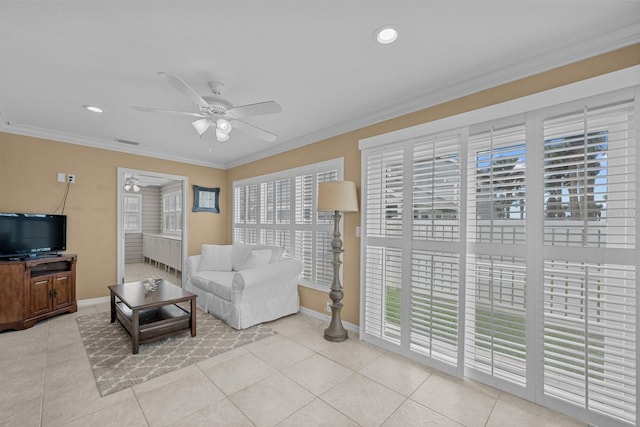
[[206, 199]]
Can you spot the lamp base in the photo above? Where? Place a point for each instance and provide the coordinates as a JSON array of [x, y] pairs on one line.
[[335, 332]]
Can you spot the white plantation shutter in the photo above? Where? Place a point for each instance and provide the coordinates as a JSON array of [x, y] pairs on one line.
[[414, 188], [304, 252], [267, 202], [384, 199], [304, 199], [589, 158], [324, 257], [496, 304], [434, 305], [132, 211], [590, 283], [590, 336], [434, 292], [283, 201], [436, 189], [528, 223], [279, 209], [383, 287], [383, 276], [496, 313]]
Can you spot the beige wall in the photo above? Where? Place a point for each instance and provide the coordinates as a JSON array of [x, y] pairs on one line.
[[347, 146], [29, 167], [28, 183]]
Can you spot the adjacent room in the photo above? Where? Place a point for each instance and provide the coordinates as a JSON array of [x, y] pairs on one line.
[[303, 213]]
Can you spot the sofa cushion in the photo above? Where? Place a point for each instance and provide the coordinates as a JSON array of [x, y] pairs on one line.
[[215, 258], [240, 255], [276, 252], [258, 258], [216, 282]]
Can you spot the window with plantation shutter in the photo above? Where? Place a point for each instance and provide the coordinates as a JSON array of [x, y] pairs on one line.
[[132, 211], [172, 212], [506, 250], [414, 189], [496, 302], [383, 273], [435, 303], [383, 278], [279, 209], [590, 285]]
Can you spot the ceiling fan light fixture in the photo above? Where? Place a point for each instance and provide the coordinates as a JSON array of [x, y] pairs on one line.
[[386, 34], [223, 125], [221, 136], [201, 125]]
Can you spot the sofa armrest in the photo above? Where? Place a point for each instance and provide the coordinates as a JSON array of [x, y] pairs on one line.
[[267, 275], [192, 265]]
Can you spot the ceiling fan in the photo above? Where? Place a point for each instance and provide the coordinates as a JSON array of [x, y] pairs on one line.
[[218, 112]]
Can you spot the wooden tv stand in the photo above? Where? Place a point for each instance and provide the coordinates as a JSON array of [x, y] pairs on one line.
[[34, 289]]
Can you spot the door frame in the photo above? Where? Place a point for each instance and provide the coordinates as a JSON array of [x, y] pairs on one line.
[[122, 171]]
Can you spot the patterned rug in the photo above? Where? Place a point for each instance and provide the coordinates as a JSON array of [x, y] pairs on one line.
[[115, 368]]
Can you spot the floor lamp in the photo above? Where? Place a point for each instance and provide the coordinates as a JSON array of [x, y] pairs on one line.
[[336, 197]]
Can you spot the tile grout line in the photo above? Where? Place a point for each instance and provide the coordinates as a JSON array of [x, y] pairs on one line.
[[44, 374]]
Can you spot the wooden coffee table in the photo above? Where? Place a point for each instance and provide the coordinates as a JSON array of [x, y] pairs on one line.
[[150, 316]]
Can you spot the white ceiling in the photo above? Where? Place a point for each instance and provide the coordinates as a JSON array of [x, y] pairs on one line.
[[316, 58]]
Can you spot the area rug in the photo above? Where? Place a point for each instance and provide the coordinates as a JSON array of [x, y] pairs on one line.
[[115, 368]]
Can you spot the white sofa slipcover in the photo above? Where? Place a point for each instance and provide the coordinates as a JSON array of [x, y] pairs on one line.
[[247, 297]]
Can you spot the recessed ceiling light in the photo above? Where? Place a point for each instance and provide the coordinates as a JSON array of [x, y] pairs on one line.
[[92, 108], [386, 35]]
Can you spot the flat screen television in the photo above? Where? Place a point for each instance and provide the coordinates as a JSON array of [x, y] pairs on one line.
[[31, 235]]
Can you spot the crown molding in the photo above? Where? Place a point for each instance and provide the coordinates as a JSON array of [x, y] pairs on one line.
[[97, 143]]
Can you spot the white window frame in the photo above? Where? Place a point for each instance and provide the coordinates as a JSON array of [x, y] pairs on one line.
[[532, 106], [255, 227], [138, 212]]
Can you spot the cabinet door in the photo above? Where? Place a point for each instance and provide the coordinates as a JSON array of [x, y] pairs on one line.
[[62, 291], [39, 296]]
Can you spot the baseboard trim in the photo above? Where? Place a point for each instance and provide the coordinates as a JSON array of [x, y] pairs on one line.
[[316, 315], [92, 301]]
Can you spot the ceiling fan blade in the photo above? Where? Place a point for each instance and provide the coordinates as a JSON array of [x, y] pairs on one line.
[[254, 130], [179, 84], [201, 125], [160, 110], [258, 109]]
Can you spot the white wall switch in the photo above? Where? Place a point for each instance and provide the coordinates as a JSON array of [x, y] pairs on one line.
[[61, 177]]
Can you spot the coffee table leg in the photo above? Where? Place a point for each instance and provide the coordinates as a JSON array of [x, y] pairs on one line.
[[135, 335], [192, 318], [113, 306]]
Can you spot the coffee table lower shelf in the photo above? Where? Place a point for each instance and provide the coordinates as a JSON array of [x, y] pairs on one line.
[[154, 323]]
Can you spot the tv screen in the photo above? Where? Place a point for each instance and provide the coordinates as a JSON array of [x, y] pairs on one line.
[[27, 234]]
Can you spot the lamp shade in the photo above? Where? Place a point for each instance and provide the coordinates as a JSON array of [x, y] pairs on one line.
[[337, 196]]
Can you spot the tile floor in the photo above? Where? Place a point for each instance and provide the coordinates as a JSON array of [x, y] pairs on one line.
[[143, 270], [295, 378]]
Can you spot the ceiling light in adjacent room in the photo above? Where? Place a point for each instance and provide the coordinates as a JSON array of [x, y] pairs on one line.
[[386, 35], [92, 108]]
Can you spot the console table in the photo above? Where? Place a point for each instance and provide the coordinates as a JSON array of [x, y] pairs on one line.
[[36, 289]]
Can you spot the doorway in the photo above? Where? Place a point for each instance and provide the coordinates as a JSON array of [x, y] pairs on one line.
[[152, 225]]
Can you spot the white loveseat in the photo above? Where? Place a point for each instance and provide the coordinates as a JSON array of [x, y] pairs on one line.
[[244, 285]]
